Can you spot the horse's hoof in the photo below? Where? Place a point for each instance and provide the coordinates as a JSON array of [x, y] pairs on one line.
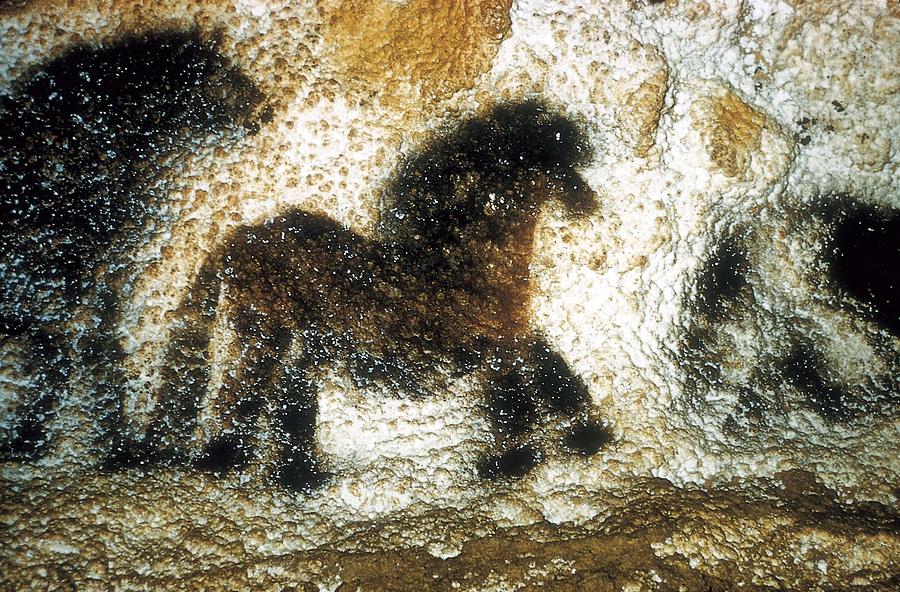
[[587, 438], [513, 463], [301, 475]]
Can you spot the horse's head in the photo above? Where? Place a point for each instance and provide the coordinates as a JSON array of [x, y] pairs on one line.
[[487, 174], [535, 153]]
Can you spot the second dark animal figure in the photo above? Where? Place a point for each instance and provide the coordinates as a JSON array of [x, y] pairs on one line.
[[442, 289]]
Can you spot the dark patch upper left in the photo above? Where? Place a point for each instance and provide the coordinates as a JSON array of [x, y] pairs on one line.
[[84, 138], [85, 141]]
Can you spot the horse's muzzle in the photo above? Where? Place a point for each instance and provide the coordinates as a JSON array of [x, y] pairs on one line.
[[577, 196]]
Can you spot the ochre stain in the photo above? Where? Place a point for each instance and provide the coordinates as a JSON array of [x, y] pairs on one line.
[[733, 133], [436, 46], [644, 109]]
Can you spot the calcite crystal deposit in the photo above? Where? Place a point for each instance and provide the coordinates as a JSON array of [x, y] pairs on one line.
[[450, 295]]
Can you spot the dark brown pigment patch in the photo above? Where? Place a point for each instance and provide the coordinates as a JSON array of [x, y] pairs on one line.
[[716, 298], [443, 288], [803, 370], [27, 436], [722, 279], [85, 141], [588, 438], [721, 298]]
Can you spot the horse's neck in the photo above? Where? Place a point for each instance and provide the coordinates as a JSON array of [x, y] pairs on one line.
[[510, 276], [497, 280], [519, 243], [510, 251]]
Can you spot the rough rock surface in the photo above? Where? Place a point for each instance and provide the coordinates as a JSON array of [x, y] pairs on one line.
[[692, 385]]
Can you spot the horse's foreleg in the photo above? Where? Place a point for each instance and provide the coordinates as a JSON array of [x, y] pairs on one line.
[[564, 393], [533, 385], [295, 429], [562, 390]]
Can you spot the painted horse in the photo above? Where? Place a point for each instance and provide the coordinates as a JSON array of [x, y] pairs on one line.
[[442, 289]]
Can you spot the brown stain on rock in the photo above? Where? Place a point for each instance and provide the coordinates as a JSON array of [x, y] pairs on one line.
[[440, 46], [644, 108], [732, 134], [635, 87]]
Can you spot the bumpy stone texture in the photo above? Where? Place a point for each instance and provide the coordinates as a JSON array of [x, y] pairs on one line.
[[789, 533], [643, 108], [415, 50], [733, 134], [748, 379]]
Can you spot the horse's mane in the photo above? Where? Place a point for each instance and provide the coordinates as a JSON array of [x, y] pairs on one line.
[[445, 187]]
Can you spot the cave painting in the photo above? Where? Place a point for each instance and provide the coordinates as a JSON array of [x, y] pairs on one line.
[[441, 289]]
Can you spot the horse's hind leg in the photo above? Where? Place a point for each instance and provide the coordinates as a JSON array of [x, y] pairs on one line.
[[295, 429], [28, 438], [244, 393], [513, 410], [183, 381], [534, 385]]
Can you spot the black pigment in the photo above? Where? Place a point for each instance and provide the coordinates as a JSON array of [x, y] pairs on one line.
[[86, 140], [866, 263], [721, 279]]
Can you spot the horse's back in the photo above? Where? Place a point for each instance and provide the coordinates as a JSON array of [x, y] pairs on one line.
[[298, 265], [291, 230]]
